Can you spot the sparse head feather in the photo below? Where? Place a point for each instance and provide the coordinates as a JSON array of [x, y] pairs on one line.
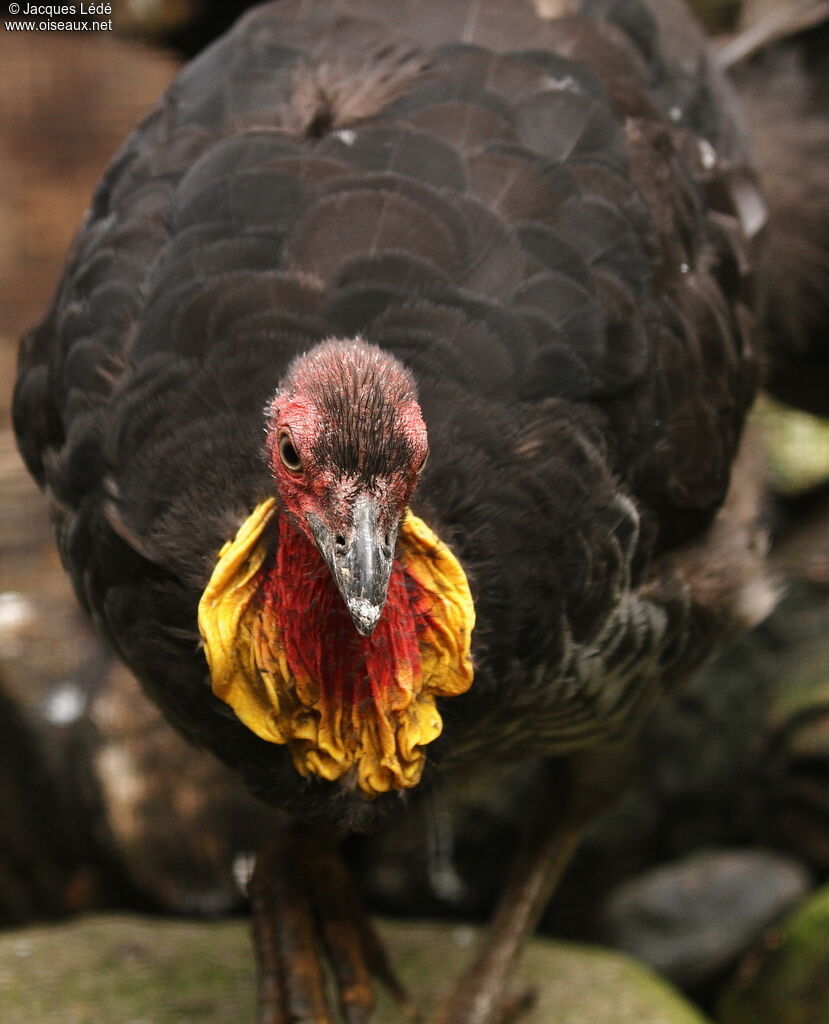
[[367, 421]]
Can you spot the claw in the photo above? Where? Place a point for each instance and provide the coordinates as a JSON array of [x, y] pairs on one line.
[[513, 1007], [380, 966], [339, 916]]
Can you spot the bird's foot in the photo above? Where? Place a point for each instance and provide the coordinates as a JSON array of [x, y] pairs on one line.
[[467, 1006], [514, 1006], [306, 915], [478, 995], [569, 794]]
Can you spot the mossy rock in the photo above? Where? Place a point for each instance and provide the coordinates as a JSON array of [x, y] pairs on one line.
[[787, 980], [128, 970], [797, 445]]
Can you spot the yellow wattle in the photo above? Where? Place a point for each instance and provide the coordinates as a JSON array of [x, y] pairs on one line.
[[381, 745]]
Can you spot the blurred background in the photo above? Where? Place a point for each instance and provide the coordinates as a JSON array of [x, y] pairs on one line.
[[711, 871]]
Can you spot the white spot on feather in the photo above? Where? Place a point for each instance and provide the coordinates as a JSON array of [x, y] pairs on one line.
[[567, 83], [707, 154]]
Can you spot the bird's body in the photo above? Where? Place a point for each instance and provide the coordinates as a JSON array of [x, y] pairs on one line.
[[519, 238], [546, 221], [534, 241]]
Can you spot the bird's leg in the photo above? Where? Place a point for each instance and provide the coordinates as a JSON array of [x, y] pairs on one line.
[[477, 996], [570, 795], [354, 949], [291, 982], [305, 911]]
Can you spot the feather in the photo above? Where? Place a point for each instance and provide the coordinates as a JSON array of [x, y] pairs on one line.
[[543, 210]]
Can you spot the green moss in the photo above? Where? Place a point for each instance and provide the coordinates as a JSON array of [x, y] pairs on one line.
[[787, 981], [126, 971], [797, 445], [120, 970]]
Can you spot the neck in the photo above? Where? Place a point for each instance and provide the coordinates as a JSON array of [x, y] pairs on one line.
[[284, 653], [323, 649]]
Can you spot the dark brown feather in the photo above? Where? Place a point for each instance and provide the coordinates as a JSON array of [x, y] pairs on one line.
[[543, 217]]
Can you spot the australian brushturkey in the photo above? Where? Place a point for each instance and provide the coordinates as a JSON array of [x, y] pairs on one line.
[[519, 238]]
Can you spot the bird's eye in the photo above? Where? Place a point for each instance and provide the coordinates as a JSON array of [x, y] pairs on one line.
[[288, 453]]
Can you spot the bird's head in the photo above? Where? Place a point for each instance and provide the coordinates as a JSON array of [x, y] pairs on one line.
[[346, 442]]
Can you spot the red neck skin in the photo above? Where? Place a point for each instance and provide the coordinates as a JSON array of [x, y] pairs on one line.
[[321, 643]]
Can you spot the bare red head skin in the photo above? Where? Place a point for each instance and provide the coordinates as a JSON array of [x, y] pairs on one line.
[[346, 442]]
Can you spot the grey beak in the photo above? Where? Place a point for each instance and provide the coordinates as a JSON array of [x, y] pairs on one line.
[[360, 562]]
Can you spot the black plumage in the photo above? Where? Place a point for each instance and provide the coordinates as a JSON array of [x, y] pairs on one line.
[[537, 232], [544, 219]]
